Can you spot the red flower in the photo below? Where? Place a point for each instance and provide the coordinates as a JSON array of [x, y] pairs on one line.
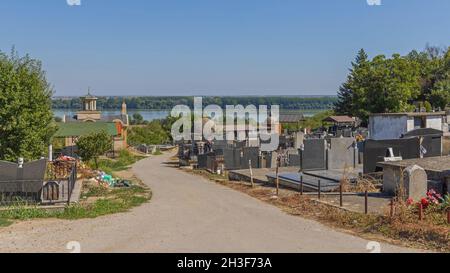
[[410, 201], [425, 203]]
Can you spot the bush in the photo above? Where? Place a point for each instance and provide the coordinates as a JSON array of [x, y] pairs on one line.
[[93, 146], [123, 161], [151, 134]]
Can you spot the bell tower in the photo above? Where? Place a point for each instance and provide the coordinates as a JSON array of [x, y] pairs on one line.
[[89, 110], [89, 102]]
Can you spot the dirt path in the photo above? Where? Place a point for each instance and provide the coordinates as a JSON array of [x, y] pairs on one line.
[[187, 214]]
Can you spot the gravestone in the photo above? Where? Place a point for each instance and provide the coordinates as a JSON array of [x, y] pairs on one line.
[[341, 153], [314, 154], [416, 182], [433, 146], [211, 162], [411, 182], [232, 158], [299, 137], [30, 171], [219, 144], [294, 160], [202, 161], [375, 151], [250, 153]]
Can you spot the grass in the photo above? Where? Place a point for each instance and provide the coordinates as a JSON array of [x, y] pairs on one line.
[[4, 222], [106, 202], [121, 163], [98, 201]]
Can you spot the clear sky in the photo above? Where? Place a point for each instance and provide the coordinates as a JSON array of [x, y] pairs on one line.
[[214, 47]]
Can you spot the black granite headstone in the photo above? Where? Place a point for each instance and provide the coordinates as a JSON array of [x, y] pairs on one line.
[[375, 151]]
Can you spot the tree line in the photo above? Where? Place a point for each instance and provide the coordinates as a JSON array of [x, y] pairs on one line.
[[396, 84], [167, 103]]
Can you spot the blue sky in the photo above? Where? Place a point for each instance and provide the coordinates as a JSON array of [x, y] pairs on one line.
[[214, 47]]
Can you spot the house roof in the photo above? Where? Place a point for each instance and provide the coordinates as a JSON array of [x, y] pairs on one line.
[[109, 118], [112, 118], [339, 119], [291, 117], [423, 132], [411, 114], [74, 129]]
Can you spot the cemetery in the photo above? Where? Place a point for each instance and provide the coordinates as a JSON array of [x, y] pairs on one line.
[[342, 165]]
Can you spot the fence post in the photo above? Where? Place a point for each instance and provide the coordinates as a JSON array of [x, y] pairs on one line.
[[341, 199], [319, 190], [391, 214], [301, 184], [420, 212], [251, 173], [68, 190], [278, 180], [366, 202]]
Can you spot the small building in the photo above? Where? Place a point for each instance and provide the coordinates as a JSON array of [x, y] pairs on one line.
[[341, 125], [340, 121], [73, 130], [90, 120], [395, 125], [290, 119]]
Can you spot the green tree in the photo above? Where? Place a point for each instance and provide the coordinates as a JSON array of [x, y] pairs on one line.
[[428, 106], [431, 64], [379, 85], [167, 125], [26, 117], [137, 119], [351, 93], [315, 121], [151, 134], [93, 146], [392, 84], [440, 95]]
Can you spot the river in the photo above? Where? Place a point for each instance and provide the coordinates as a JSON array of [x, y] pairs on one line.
[[146, 114]]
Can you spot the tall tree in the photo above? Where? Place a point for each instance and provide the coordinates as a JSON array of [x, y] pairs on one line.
[[348, 95], [26, 118], [391, 85], [380, 85]]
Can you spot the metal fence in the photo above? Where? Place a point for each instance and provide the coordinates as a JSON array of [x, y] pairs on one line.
[[56, 187]]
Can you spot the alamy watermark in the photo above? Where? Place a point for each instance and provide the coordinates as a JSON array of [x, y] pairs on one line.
[[73, 2], [374, 2], [74, 247], [239, 123]]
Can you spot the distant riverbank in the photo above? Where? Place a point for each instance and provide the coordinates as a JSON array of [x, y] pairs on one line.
[[149, 114], [146, 114]]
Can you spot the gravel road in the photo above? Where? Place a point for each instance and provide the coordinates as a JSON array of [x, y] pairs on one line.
[[186, 214]]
